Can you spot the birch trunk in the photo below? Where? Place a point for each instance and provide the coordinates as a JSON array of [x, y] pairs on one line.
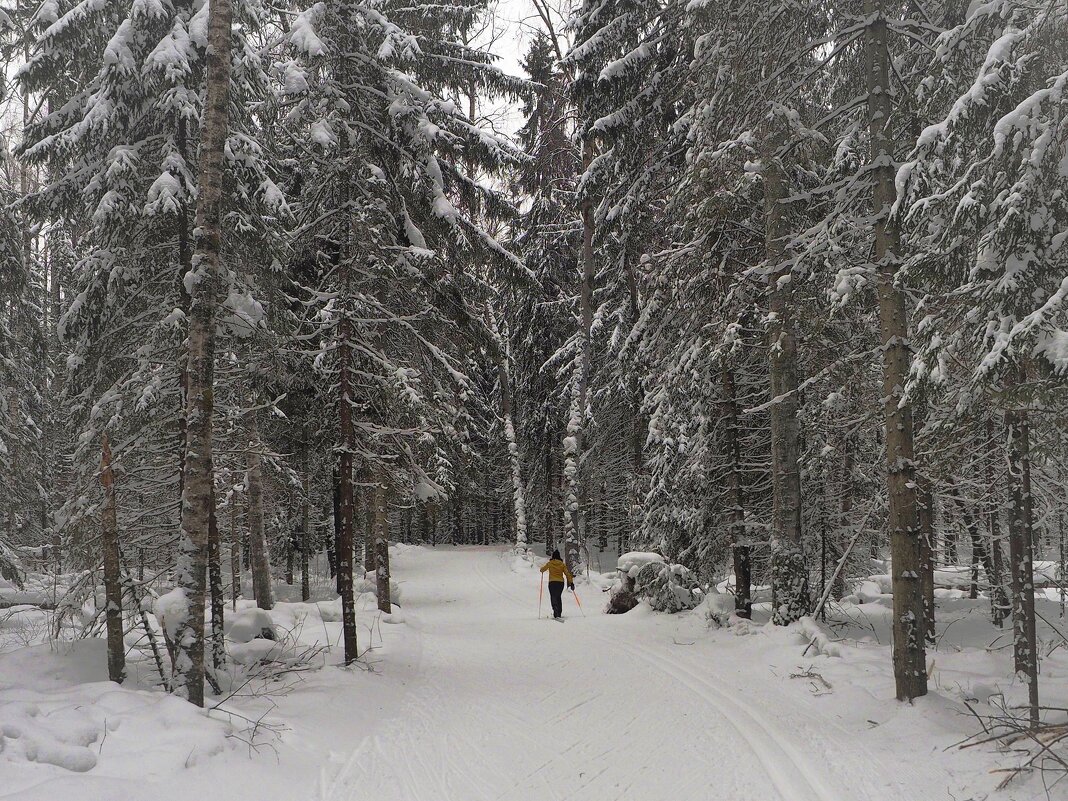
[[573, 438], [504, 381], [198, 474], [109, 540], [910, 668]]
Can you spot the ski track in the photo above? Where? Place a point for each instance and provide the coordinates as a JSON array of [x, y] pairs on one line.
[[501, 707], [790, 772]]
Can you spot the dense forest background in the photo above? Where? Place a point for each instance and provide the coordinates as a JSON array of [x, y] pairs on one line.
[[771, 288]]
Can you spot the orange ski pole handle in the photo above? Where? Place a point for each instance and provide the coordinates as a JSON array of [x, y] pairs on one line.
[[541, 589]]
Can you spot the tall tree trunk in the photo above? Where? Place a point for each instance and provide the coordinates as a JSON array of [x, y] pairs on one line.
[[381, 544], [789, 575], [370, 557], [198, 495], [999, 599], [305, 519], [926, 520], [109, 540], [185, 265], [215, 587], [910, 668], [504, 381], [235, 552], [1021, 558], [576, 423], [550, 495], [334, 552], [743, 582], [980, 553], [845, 509], [261, 565], [346, 506]]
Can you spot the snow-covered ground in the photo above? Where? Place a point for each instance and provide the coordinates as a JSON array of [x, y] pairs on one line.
[[467, 696]]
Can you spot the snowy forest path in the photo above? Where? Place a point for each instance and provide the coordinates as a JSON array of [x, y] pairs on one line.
[[502, 706]]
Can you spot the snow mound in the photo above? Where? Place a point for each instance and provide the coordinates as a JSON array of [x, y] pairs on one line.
[[369, 585], [716, 609], [630, 563], [817, 638], [251, 624], [36, 738], [171, 610], [57, 714]]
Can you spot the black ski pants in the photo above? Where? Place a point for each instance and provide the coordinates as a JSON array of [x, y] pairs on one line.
[[556, 594]]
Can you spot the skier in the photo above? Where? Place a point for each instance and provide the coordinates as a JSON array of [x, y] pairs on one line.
[[557, 570]]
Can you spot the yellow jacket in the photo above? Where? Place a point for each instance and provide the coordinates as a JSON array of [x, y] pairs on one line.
[[557, 570]]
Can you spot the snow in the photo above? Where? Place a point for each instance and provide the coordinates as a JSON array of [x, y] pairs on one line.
[[630, 563], [466, 695], [248, 625]]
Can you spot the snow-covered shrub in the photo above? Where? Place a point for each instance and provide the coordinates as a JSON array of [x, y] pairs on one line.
[[717, 608], [668, 587]]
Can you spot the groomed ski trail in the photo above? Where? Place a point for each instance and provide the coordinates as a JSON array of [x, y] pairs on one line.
[[501, 707]]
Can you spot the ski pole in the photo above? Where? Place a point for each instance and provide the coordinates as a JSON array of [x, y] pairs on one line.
[[541, 589], [578, 602]]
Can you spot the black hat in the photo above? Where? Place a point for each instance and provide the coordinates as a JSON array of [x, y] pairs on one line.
[[556, 554]]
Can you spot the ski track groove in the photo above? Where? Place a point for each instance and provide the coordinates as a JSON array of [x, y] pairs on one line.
[[447, 763], [729, 710]]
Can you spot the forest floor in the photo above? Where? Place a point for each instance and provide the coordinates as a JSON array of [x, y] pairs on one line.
[[469, 696]]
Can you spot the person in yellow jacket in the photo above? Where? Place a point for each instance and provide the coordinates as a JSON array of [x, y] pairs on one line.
[[557, 570]]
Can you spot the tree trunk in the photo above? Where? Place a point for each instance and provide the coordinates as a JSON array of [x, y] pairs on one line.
[[518, 495], [573, 439], [980, 553], [345, 465], [261, 566], [381, 545], [334, 551], [215, 586], [926, 521], [1021, 558], [550, 496], [235, 552], [845, 508], [305, 522], [370, 557], [743, 587], [910, 668], [789, 575], [109, 541], [198, 494], [999, 599]]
